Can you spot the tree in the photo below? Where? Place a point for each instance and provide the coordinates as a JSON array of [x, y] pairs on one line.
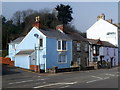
[[64, 13]]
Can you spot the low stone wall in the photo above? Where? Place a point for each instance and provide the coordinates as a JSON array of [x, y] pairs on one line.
[[71, 69]]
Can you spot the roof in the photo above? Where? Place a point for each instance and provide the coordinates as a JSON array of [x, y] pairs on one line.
[[18, 40], [25, 52], [54, 34], [77, 36], [99, 42]]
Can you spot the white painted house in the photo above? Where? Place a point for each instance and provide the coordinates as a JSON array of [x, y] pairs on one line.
[[105, 31]]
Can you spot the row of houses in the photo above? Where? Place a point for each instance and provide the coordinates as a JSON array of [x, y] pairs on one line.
[[54, 48]]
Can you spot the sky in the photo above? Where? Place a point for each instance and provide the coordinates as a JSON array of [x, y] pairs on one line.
[[84, 13]]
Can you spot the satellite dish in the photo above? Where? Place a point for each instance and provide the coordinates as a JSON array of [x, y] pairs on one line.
[[36, 35]]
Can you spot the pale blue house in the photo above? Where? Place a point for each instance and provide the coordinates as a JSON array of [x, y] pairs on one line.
[[101, 52], [45, 48]]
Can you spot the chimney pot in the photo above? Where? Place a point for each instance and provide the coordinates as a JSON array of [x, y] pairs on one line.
[[109, 20], [37, 23]]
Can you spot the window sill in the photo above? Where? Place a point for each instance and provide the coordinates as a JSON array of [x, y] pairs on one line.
[[62, 62], [61, 50]]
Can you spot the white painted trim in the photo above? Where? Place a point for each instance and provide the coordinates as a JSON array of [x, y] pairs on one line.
[[62, 62]]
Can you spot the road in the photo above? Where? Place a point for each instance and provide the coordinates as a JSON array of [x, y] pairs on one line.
[[18, 78]]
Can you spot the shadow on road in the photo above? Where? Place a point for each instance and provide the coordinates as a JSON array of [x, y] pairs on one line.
[[6, 70]]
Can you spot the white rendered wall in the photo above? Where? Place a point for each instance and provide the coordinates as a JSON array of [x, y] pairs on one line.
[[100, 29]]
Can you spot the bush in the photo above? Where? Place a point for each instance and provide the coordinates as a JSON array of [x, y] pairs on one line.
[[4, 53]]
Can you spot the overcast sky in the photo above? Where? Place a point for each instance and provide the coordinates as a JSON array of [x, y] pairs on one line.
[[84, 13]]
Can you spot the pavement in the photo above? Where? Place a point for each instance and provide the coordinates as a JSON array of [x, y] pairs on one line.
[[19, 78]]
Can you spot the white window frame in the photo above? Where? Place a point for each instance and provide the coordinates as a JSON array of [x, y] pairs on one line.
[[13, 46], [41, 47], [61, 60], [61, 47]]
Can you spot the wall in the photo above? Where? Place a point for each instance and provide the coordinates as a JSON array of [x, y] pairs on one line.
[[12, 51], [22, 61], [52, 54], [100, 29], [111, 54], [119, 48], [82, 54], [29, 43]]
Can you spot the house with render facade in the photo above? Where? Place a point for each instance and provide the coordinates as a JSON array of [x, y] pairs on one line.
[[101, 53], [43, 48], [105, 30]]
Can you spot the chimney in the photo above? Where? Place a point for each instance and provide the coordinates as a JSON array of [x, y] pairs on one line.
[[102, 16], [37, 23], [109, 20], [60, 28]]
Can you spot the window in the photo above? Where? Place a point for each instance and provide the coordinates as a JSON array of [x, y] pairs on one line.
[[62, 59], [95, 59], [13, 46], [59, 45], [78, 60], [62, 45], [94, 50], [86, 47], [78, 46], [41, 42], [107, 51]]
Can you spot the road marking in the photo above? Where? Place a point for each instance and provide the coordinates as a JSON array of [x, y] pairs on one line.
[[97, 77], [21, 82], [91, 81], [110, 74], [26, 81], [65, 86], [54, 84], [106, 78]]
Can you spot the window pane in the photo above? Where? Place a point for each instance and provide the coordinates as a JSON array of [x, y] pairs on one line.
[[41, 42], [62, 59], [59, 45], [63, 45]]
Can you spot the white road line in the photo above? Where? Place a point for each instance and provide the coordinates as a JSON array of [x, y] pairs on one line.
[[106, 77], [97, 77], [54, 84], [65, 86], [21, 82], [110, 74], [26, 81], [91, 81]]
